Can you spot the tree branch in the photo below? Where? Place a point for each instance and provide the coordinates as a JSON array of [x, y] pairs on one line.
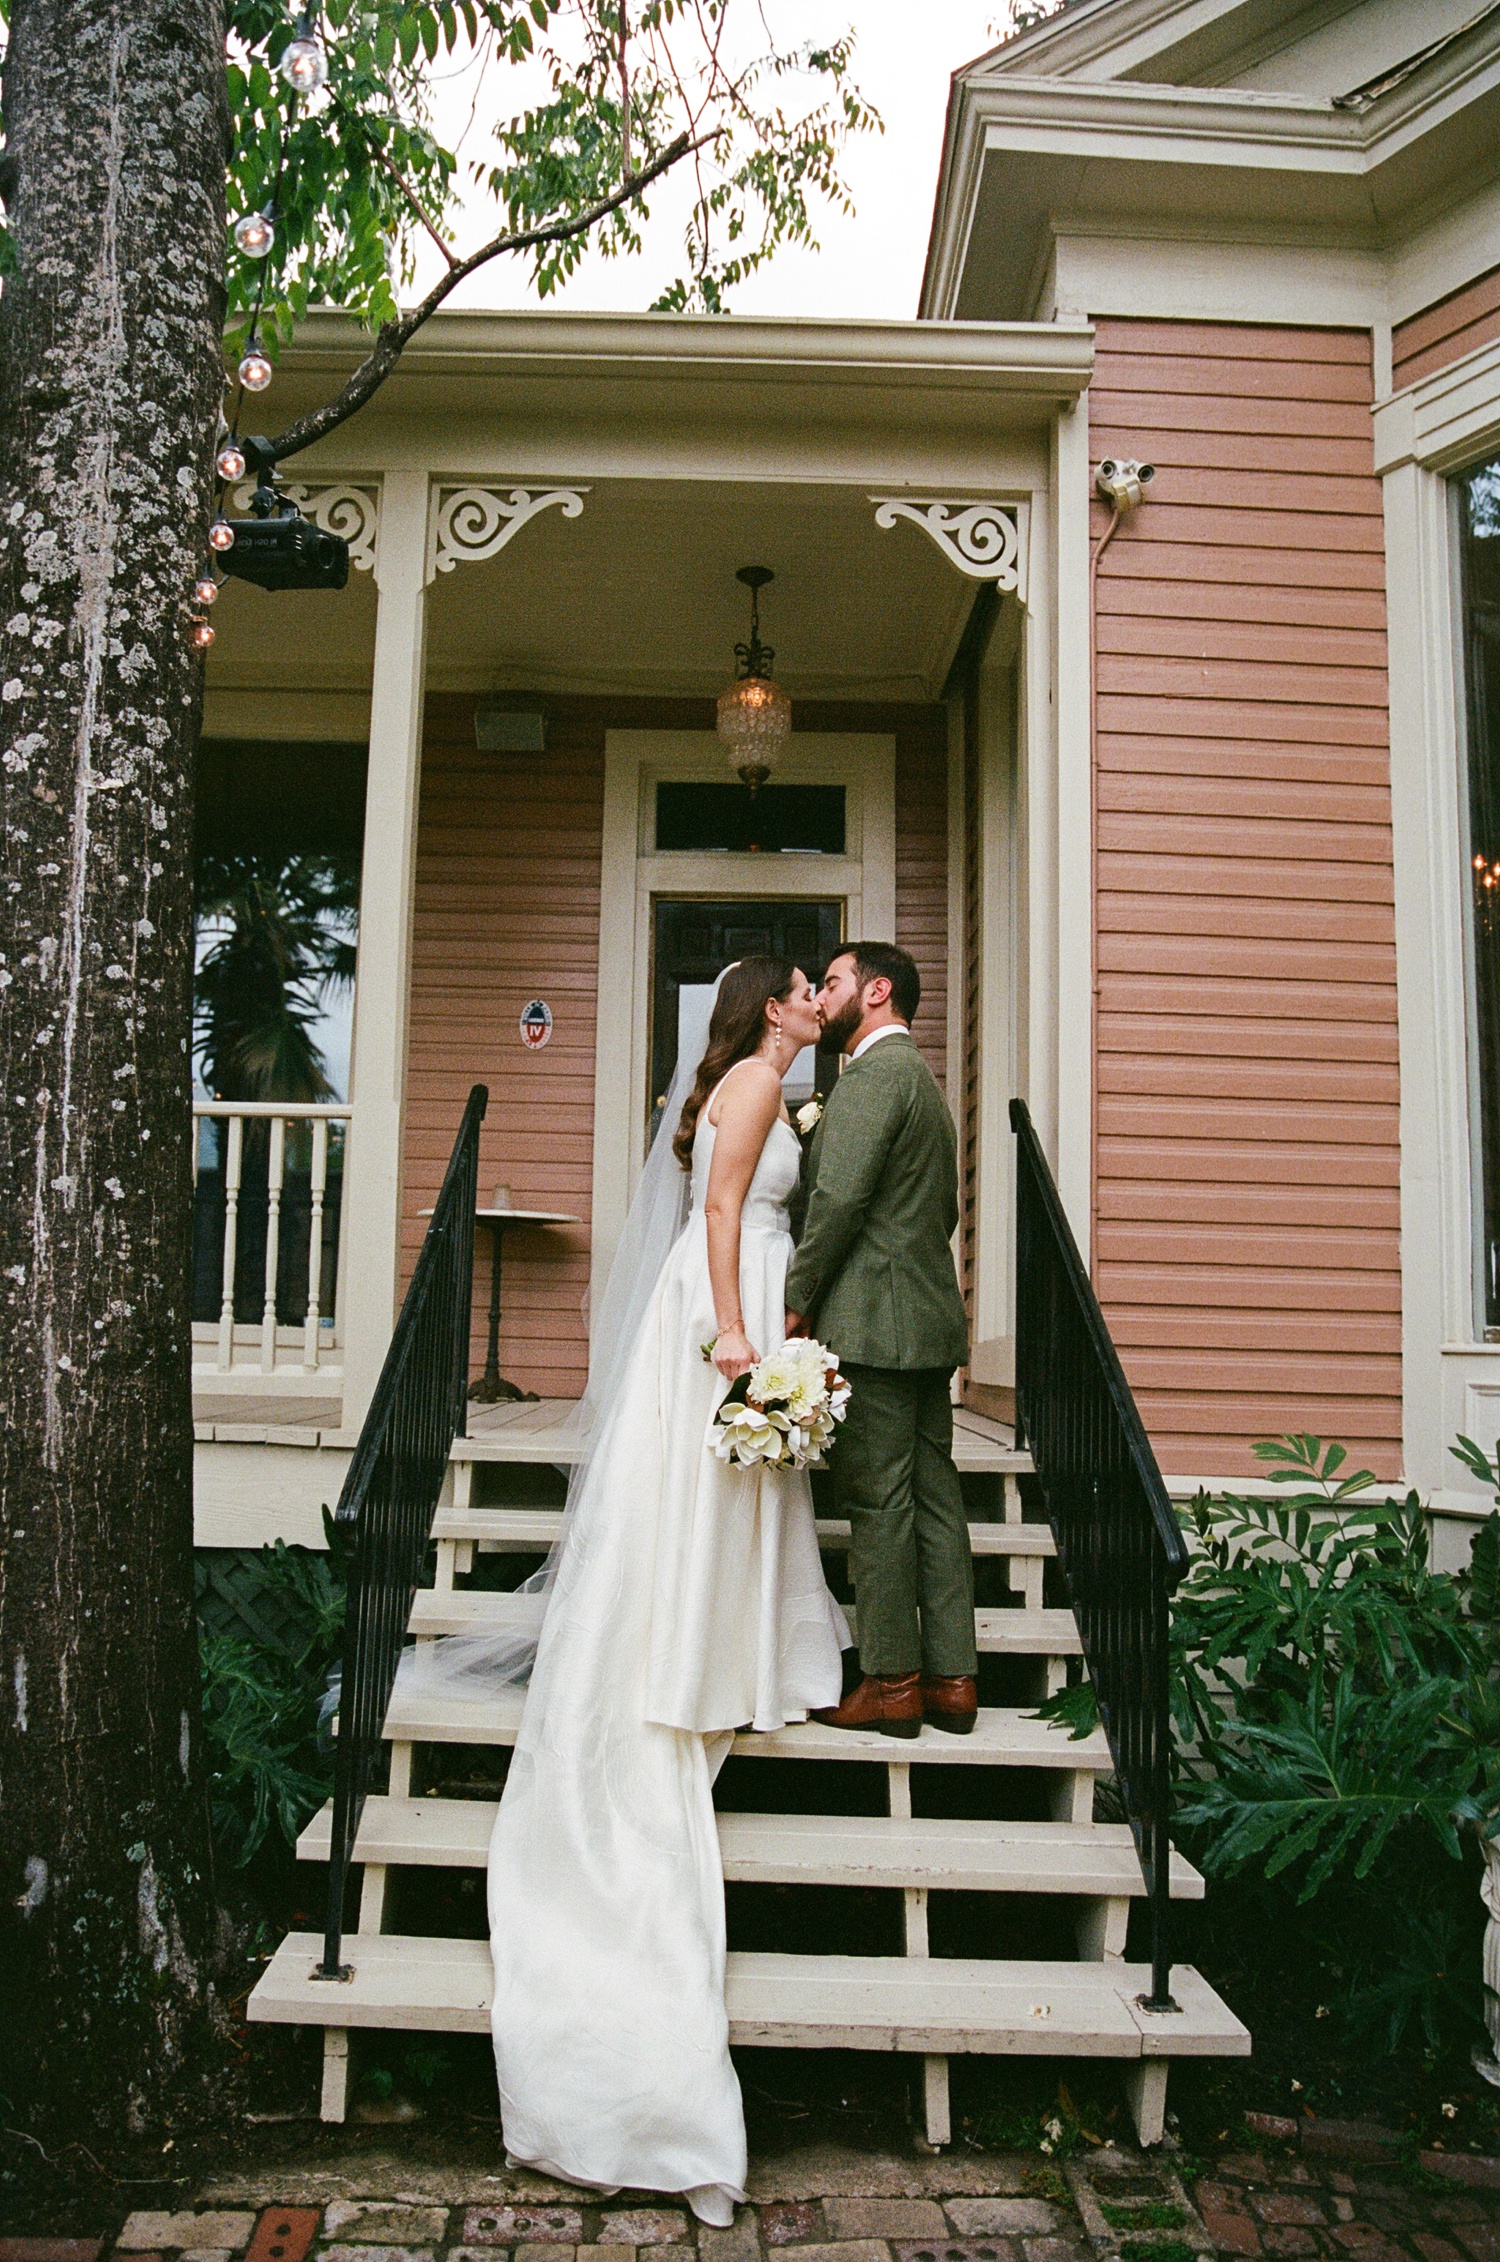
[[410, 195], [392, 337]]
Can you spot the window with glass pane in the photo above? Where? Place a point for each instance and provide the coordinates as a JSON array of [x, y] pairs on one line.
[[1481, 598]]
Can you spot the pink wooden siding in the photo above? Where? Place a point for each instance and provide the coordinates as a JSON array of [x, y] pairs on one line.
[[1456, 325], [507, 908], [1246, 1227]]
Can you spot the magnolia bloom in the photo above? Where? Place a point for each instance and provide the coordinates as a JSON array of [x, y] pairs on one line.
[[786, 1411], [747, 1436]]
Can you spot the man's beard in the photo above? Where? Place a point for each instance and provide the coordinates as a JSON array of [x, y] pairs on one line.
[[841, 1027]]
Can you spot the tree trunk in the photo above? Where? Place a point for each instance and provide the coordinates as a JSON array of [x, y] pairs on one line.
[[110, 389]]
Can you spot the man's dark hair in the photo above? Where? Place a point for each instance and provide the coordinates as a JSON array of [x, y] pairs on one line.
[[874, 959]]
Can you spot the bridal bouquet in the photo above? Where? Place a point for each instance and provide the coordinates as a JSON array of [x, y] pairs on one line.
[[784, 1411]]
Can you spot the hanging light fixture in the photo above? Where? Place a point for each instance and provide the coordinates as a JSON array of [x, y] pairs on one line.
[[755, 714]]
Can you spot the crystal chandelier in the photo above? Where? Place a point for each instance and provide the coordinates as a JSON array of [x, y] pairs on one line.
[[755, 714]]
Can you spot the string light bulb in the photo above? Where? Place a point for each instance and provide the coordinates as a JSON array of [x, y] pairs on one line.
[[304, 63], [201, 635], [255, 368], [229, 463], [255, 234], [221, 534], [205, 589]]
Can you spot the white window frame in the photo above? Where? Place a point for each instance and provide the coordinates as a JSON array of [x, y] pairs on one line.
[[1424, 437]]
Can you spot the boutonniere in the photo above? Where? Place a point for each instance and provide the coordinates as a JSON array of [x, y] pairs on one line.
[[810, 1115]]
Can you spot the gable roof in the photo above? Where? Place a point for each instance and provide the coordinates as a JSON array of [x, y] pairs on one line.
[[1065, 125]]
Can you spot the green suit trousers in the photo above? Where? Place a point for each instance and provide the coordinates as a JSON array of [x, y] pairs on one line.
[[894, 1479]]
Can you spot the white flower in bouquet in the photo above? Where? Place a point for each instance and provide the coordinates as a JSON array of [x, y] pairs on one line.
[[785, 1410]]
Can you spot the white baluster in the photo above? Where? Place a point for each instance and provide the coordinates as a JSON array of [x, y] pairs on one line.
[[317, 1183], [233, 1128], [274, 1162]]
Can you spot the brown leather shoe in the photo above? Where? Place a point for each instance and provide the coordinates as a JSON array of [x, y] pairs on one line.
[[951, 1703], [890, 1702]]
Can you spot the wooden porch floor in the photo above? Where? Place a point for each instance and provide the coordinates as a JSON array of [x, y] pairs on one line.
[[546, 1430]]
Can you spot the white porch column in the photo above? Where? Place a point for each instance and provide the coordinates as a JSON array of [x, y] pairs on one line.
[[1074, 842], [377, 1092]]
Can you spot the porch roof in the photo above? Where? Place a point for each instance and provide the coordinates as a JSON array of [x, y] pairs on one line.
[[545, 368]]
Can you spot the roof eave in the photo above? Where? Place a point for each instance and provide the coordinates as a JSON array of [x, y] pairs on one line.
[[1046, 359]]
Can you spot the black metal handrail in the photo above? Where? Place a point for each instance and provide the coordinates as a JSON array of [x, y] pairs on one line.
[[391, 1492], [1118, 1542]]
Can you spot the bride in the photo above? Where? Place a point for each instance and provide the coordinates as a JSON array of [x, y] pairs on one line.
[[686, 1600]]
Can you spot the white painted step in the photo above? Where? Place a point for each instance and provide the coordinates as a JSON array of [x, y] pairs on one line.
[[918, 2004], [1006, 1633], [806, 1849], [523, 1530], [1002, 1736]]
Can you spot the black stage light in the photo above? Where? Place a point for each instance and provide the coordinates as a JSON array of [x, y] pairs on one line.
[[286, 553]]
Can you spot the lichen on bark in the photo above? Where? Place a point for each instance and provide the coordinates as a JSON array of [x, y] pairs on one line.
[[110, 388]]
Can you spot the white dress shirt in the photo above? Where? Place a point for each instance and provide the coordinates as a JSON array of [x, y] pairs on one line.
[[886, 1029]]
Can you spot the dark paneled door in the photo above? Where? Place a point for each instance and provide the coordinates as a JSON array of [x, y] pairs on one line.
[[693, 942]]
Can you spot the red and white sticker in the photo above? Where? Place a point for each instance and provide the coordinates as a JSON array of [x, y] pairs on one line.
[[536, 1024]]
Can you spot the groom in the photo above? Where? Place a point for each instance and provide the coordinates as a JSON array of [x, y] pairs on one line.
[[874, 1277]]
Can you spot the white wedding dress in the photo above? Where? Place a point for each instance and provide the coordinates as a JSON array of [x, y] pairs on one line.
[[689, 1601]]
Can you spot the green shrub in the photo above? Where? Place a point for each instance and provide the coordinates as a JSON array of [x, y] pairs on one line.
[[269, 1762], [1337, 1711]]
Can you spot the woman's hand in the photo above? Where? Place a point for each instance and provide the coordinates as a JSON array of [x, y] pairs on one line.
[[734, 1353]]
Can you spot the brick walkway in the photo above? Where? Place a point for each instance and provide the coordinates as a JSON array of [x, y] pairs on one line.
[[1348, 2211], [1115, 2206]]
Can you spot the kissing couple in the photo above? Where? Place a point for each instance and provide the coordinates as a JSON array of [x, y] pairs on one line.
[[685, 1598]]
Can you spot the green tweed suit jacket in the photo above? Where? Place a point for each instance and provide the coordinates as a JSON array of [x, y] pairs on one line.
[[874, 1271]]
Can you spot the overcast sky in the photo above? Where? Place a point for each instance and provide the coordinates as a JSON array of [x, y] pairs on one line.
[[868, 265]]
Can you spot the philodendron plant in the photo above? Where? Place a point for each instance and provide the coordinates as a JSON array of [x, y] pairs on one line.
[[1336, 1704]]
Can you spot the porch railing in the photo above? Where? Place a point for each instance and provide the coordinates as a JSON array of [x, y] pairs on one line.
[[267, 1221], [391, 1491], [1118, 1541]]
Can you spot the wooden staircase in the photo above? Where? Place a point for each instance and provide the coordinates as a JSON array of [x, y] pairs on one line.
[[928, 2006]]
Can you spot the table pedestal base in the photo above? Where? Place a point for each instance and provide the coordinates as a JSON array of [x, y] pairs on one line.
[[494, 1390]]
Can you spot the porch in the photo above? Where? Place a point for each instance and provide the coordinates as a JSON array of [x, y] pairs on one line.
[[547, 515]]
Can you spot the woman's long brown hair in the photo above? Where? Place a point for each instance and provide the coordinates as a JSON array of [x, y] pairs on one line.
[[734, 1033]]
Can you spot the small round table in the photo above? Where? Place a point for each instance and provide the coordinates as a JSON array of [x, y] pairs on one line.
[[492, 1386]]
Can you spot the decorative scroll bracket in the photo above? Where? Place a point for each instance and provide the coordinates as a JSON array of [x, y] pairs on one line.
[[472, 523], [981, 539], [352, 512]]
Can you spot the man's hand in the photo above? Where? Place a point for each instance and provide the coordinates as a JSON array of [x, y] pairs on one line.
[[796, 1324]]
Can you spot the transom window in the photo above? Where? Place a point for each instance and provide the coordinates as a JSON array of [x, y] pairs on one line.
[[790, 819]]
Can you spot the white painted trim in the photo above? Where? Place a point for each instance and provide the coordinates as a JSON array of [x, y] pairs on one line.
[[1172, 273], [1016, 112], [1447, 253], [992, 1358], [382, 987], [1445, 421], [959, 974], [1037, 824], [632, 873], [1421, 436], [1074, 930], [688, 350], [293, 713], [1245, 127]]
